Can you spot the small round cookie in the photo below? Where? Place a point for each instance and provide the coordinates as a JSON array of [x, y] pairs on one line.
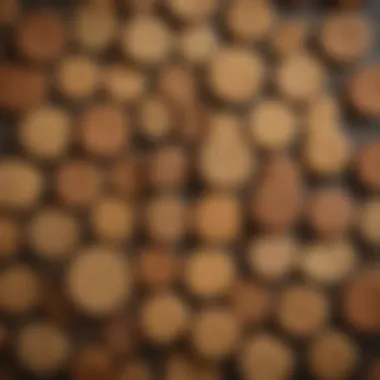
[[197, 44], [194, 11], [78, 183], [104, 130], [273, 257], [225, 159], [99, 280], [249, 21], [235, 75], [20, 290], [164, 318], [53, 233], [10, 237], [9, 12], [362, 91], [123, 83], [95, 28], [368, 219], [328, 263], [345, 37], [217, 218], [42, 348], [178, 84], [300, 78], [367, 165], [332, 355], [157, 268], [22, 88], [146, 40], [361, 302], [330, 212], [92, 362], [166, 218], [264, 356], [290, 37], [41, 36], [251, 303], [21, 184], [112, 219], [77, 77], [169, 167], [136, 370], [272, 125], [209, 273], [46, 132], [302, 311], [215, 333], [327, 154], [155, 118]]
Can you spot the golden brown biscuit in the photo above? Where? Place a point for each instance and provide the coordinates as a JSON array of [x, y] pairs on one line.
[[192, 11]]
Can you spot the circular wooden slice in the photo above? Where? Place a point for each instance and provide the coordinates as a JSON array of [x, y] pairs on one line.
[[53, 234], [265, 356], [302, 311], [333, 355], [46, 132], [21, 184], [77, 77], [41, 36], [20, 290], [99, 280], [164, 318], [42, 348], [235, 74], [104, 130], [215, 333], [112, 219], [146, 40], [209, 273], [78, 183]]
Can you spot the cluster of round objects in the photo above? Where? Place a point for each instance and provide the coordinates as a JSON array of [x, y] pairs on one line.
[[183, 173]]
